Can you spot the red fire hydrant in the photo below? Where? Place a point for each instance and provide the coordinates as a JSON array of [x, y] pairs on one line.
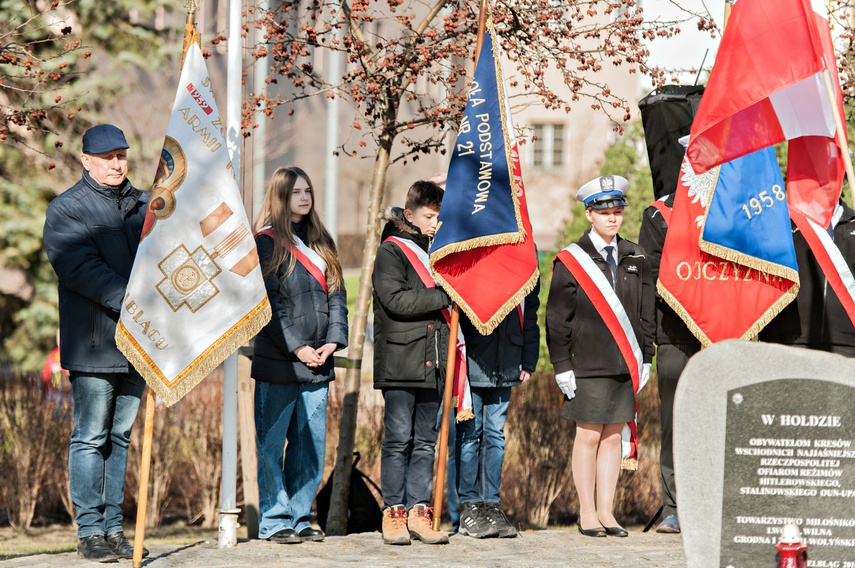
[[791, 552]]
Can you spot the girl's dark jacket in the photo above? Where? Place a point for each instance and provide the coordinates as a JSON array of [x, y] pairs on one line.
[[410, 333], [576, 334], [302, 315], [496, 360]]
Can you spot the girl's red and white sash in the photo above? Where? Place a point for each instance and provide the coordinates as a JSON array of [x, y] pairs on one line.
[[602, 295], [306, 256], [421, 263], [830, 260]]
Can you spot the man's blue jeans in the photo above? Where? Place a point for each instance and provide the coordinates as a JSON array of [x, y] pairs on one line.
[[288, 481], [481, 446], [105, 406]]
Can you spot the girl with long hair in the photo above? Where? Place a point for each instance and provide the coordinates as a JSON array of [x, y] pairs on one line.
[[293, 355]]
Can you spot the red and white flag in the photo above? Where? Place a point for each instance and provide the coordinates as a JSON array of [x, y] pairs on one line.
[[767, 86]]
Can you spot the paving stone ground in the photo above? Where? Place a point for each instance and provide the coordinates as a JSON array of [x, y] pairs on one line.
[[531, 548]]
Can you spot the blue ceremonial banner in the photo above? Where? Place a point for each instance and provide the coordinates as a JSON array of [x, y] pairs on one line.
[[747, 220], [479, 203], [483, 251]]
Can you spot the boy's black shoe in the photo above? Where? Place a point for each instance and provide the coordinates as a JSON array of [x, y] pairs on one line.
[[95, 548], [311, 534], [500, 520], [474, 521], [121, 547], [285, 536]]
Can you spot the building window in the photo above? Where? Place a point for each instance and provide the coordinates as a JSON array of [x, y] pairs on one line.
[[547, 151]]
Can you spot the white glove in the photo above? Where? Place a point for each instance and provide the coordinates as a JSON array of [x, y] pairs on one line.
[[567, 383], [645, 376]]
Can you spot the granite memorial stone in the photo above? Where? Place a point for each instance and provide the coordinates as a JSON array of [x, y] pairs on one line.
[[764, 435]]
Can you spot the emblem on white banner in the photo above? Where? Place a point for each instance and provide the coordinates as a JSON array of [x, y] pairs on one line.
[[188, 278]]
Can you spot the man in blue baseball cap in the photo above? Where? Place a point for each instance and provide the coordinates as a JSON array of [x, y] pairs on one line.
[[91, 235]]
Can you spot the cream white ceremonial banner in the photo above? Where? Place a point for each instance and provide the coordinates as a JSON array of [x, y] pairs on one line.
[[196, 292]]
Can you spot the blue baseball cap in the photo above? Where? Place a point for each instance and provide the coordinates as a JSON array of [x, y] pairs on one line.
[[103, 138]]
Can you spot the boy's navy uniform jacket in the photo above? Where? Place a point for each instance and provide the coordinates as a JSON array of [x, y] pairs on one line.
[[577, 337], [91, 236], [496, 360], [410, 333], [302, 315]]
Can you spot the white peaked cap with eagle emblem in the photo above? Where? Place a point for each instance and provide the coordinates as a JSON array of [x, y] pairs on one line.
[[603, 192]]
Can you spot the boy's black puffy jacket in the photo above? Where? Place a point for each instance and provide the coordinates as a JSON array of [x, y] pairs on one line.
[[410, 333], [576, 334], [91, 235], [302, 315]]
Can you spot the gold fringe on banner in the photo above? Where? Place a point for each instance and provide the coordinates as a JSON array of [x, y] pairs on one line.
[[749, 334], [629, 464], [739, 257], [487, 327], [465, 414], [173, 391]]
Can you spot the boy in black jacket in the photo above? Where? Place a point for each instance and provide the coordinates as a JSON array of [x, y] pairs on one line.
[[410, 342]]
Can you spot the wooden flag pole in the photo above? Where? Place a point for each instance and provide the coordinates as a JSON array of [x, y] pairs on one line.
[[145, 466], [439, 480], [442, 464], [190, 36]]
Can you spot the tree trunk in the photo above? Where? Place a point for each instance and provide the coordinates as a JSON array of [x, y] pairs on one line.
[[337, 519]]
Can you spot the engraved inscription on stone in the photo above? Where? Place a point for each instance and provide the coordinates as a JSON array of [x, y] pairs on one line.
[[789, 458]]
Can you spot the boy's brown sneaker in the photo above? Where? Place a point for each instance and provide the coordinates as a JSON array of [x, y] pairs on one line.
[[395, 525], [420, 523]]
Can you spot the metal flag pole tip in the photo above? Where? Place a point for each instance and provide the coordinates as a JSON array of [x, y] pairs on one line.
[[228, 521]]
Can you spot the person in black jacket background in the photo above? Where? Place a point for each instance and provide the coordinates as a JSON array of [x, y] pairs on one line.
[[675, 344], [292, 359], [496, 362], [91, 235], [817, 318], [410, 345]]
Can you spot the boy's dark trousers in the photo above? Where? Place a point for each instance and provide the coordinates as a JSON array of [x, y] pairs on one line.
[[407, 455]]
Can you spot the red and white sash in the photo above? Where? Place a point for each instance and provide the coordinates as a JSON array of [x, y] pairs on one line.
[[830, 260], [421, 263], [602, 295], [306, 256]]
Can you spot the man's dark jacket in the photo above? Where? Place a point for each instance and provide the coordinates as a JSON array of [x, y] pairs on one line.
[[817, 319], [91, 236], [576, 334], [303, 314], [496, 360], [410, 333]]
